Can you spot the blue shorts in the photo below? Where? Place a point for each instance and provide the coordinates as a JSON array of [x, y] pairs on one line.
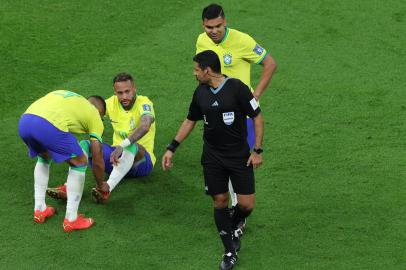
[[251, 133], [141, 168], [41, 136]]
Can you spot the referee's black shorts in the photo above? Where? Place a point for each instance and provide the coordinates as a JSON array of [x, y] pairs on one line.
[[218, 170]]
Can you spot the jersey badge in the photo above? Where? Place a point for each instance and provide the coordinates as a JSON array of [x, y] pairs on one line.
[[227, 58], [132, 123], [146, 107], [258, 49], [215, 104], [228, 118]]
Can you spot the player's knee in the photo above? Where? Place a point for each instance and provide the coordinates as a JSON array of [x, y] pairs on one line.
[[78, 161], [247, 206], [220, 201]]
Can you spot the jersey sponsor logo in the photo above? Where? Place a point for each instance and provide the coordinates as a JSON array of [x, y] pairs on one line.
[[258, 49], [215, 104], [228, 118], [254, 104], [146, 107], [227, 58]]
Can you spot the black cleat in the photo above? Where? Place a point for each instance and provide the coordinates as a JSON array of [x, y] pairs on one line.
[[228, 261]]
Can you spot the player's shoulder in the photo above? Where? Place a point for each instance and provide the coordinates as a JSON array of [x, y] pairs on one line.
[[143, 99], [239, 37], [202, 37], [112, 105], [111, 100], [203, 41], [238, 34]]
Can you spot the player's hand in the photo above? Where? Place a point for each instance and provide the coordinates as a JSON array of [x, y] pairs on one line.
[[167, 160], [254, 159], [103, 187], [115, 155]]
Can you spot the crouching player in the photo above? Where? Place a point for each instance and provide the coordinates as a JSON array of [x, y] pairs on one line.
[[46, 128]]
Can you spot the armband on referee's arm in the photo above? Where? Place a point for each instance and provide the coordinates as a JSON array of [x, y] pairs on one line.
[[125, 143], [172, 146]]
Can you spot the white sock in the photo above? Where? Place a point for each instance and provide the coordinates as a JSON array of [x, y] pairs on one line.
[[74, 190], [126, 162], [233, 195], [41, 177]]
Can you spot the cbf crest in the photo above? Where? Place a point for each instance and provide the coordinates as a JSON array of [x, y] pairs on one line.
[[132, 123], [227, 58]]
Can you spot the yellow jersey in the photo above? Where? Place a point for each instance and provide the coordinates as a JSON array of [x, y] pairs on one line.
[[69, 112], [236, 52], [125, 122]]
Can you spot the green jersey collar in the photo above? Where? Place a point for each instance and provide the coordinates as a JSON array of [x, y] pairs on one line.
[[225, 36]]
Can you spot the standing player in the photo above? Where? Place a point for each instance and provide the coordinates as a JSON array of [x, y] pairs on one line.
[[133, 119], [237, 51], [46, 128], [223, 104]]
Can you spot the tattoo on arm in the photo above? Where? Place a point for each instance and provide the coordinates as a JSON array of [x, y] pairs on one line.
[[142, 129]]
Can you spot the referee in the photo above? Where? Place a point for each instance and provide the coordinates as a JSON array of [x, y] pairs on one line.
[[223, 104]]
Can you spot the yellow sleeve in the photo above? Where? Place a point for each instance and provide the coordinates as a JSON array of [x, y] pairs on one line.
[[96, 128], [146, 107], [253, 52]]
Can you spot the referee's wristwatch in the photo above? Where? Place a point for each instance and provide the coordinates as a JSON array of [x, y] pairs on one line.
[[258, 150]]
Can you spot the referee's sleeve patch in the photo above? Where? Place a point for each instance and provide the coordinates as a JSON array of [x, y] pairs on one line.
[[254, 104], [146, 107], [258, 49]]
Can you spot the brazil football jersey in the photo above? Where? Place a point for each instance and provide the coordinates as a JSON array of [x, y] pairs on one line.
[[125, 122], [224, 111], [69, 112], [236, 52]]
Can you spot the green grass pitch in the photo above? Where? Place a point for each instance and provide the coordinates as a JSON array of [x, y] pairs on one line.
[[332, 191]]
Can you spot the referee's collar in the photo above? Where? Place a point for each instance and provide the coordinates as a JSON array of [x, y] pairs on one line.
[[216, 90]]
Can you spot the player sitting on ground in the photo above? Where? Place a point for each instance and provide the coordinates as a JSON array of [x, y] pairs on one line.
[[133, 154]]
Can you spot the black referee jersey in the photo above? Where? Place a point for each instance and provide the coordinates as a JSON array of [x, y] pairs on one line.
[[224, 111]]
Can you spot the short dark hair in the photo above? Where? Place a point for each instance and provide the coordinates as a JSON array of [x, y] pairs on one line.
[[208, 59], [213, 11], [100, 100], [123, 77]]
